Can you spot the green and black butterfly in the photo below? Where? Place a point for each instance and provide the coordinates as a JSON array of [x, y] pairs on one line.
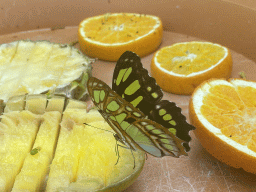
[[137, 114], [131, 126], [132, 82]]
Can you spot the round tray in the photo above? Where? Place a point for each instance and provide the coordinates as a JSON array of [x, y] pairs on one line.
[[225, 22]]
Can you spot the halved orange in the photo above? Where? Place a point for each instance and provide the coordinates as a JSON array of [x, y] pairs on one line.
[[108, 36], [224, 114], [181, 67]]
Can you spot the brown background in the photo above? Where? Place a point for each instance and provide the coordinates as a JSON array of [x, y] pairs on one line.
[[231, 23]]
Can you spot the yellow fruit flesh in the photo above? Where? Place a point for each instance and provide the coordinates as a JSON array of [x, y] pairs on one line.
[[233, 111], [36, 166], [84, 159], [85, 156], [188, 58], [18, 134], [119, 28], [38, 66]]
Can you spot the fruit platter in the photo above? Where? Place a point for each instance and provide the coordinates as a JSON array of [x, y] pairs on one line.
[[107, 96]]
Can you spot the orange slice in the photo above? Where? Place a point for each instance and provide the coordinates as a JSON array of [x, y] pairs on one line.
[[181, 67], [108, 36], [224, 114]]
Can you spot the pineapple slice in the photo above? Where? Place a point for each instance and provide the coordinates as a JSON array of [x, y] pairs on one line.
[[40, 66], [85, 158], [18, 130], [37, 162], [45, 149], [35, 165]]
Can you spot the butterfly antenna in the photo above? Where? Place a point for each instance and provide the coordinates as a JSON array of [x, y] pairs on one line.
[[98, 128]]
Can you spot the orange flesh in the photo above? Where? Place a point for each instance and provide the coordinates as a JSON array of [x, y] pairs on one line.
[[189, 58], [119, 28], [233, 111]]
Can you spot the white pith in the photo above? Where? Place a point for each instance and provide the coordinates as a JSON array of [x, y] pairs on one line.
[[191, 57], [117, 28], [197, 101]]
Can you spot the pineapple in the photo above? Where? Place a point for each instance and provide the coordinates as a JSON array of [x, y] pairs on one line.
[[18, 131], [85, 157], [54, 144], [40, 66], [37, 162]]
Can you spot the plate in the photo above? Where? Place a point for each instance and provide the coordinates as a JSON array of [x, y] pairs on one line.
[[202, 21]]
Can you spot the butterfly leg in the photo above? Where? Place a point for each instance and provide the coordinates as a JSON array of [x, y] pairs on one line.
[[118, 155]]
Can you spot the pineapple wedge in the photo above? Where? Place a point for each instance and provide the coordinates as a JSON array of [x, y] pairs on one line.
[[40, 66], [37, 162], [18, 131], [54, 144]]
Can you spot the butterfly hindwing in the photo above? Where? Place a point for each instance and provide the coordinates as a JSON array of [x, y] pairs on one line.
[[133, 83], [131, 125], [163, 141], [169, 115]]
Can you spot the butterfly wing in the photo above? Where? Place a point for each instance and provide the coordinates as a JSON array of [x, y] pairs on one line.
[[131, 125], [169, 115], [133, 83]]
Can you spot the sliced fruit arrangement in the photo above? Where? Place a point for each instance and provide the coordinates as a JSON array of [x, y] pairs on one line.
[[56, 145], [224, 113], [39, 66], [181, 67], [107, 36]]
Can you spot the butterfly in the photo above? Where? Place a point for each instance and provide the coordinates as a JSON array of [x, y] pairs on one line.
[[135, 111], [133, 83], [131, 126]]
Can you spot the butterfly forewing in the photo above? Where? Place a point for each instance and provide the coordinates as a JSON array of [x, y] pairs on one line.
[[131, 125], [101, 97], [133, 83]]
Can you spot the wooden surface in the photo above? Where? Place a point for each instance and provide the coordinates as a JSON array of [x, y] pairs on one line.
[[197, 172]]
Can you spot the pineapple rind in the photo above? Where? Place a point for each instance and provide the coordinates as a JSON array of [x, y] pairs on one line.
[[16, 103], [72, 103], [36, 103], [56, 103]]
